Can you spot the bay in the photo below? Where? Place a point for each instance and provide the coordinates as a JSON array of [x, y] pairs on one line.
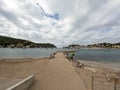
[[25, 53], [101, 55]]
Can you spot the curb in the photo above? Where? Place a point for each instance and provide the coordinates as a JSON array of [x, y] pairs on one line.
[[23, 85]]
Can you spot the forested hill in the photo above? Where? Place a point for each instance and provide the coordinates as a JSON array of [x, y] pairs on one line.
[[20, 43]]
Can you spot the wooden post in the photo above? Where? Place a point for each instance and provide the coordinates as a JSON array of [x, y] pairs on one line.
[[115, 84], [92, 81]]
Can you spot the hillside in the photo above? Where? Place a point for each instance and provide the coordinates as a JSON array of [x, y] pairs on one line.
[[20, 43], [98, 45]]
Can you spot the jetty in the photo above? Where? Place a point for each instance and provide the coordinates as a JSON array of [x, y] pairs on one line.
[[59, 74], [49, 74]]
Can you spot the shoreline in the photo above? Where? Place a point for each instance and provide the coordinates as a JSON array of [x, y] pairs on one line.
[[104, 69], [45, 72], [91, 63], [24, 59], [101, 72], [10, 58], [14, 69], [98, 64], [28, 58]]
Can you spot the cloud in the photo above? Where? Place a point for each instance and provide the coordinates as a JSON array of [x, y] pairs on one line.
[[61, 22]]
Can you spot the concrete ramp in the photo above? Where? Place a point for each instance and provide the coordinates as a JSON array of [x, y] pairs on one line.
[[59, 74], [22, 85], [6, 82]]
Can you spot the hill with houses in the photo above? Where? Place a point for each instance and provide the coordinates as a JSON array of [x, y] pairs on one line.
[[9, 42]]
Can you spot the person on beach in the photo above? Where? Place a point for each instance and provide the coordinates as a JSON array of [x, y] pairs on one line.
[[72, 56]]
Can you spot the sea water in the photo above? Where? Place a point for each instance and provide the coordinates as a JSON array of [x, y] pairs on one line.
[[25, 53], [101, 55]]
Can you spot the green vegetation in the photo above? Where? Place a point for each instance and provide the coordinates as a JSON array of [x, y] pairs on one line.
[[20, 43], [106, 45], [117, 44], [74, 45], [98, 45]]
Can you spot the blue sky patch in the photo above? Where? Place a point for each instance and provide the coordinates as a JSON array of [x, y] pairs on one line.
[[54, 16]]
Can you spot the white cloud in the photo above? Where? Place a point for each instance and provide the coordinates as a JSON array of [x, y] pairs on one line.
[[61, 22]]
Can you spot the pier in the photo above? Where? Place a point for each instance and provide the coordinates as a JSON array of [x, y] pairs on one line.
[[59, 74]]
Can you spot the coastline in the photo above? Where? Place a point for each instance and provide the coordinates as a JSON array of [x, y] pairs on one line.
[[45, 72], [98, 74], [99, 64], [104, 69], [12, 70], [23, 59]]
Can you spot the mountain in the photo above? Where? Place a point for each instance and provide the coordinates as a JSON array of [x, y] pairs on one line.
[[20, 43]]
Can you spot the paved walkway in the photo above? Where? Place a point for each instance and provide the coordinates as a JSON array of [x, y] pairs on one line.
[[59, 74]]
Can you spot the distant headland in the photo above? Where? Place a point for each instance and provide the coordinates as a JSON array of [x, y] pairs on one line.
[[9, 42], [98, 45]]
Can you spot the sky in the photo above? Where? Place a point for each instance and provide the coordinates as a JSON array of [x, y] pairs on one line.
[[61, 22]]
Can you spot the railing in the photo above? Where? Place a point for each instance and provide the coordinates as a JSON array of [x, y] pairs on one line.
[[105, 83]]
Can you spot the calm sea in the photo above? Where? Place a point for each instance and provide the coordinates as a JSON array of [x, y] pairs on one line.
[[25, 53], [103, 55]]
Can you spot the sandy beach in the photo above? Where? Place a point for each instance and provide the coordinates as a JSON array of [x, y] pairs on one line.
[[103, 71], [50, 74], [55, 74], [11, 71]]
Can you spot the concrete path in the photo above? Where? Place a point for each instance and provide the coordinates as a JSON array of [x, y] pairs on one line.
[[7, 82], [59, 74]]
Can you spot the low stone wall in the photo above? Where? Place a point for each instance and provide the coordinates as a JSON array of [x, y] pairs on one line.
[[23, 85]]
